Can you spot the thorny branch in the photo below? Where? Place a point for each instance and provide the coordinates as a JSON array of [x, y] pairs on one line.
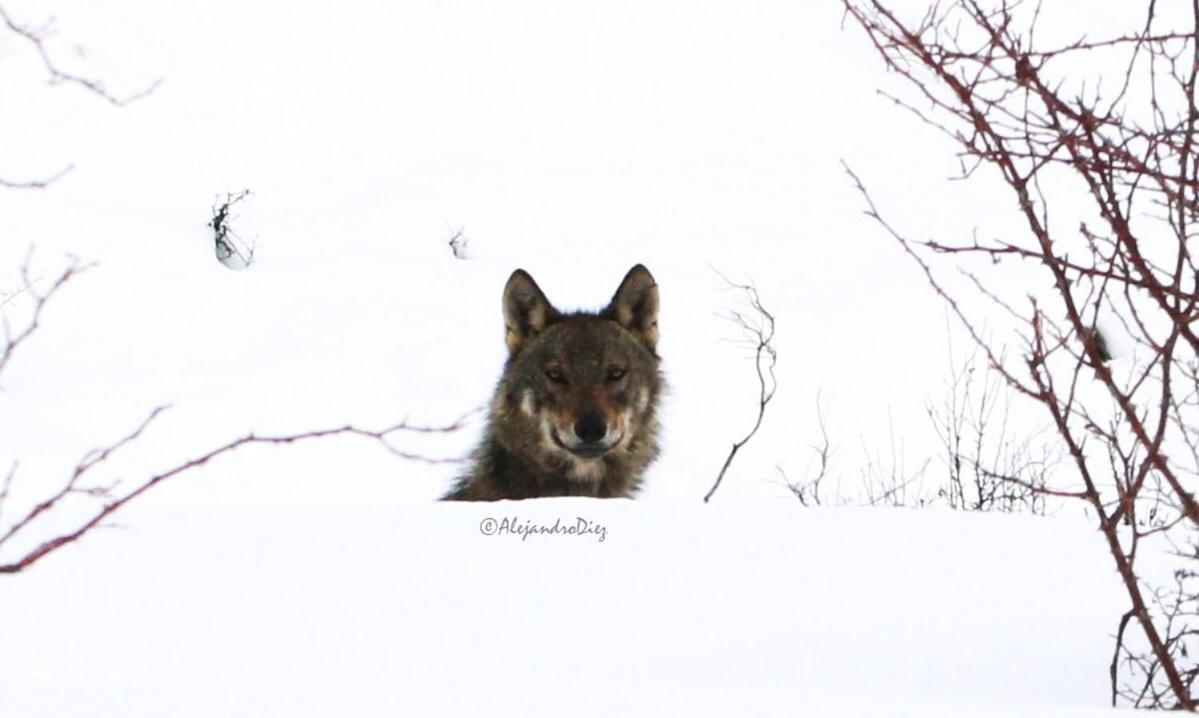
[[983, 78], [758, 331]]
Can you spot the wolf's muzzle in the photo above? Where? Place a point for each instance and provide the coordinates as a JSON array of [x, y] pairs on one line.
[[591, 429]]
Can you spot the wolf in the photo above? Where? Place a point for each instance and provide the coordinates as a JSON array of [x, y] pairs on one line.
[[575, 410]]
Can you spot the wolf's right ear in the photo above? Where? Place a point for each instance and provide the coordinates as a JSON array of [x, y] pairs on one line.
[[635, 305], [526, 310]]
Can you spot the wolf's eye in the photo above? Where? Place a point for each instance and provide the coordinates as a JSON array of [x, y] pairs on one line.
[[555, 375], [615, 373]]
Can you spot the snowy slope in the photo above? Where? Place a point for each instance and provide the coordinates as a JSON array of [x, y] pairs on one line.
[[572, 141], [372, 611]]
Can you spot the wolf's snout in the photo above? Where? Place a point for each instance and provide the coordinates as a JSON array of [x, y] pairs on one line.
[[591, 428]]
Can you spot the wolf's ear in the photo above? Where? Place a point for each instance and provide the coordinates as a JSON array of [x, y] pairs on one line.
[[526, 310], [635, 305]]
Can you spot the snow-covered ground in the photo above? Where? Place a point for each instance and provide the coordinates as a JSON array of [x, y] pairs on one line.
[[689, 610], [572, 141]]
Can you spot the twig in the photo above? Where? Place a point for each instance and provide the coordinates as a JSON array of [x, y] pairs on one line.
[[13, 341], [115, 502], [760, 334], [38, 37]]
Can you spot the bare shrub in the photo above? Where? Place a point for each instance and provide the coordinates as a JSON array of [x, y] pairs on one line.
[[1122, 146], [988, 466], [232, 250], [819, 468], [757, 335]]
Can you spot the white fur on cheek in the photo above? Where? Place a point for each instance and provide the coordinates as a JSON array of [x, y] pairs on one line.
[[626, 439], [547, 433], [526, 402]]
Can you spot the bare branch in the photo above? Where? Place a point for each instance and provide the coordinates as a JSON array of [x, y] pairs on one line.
[[41, 183], [37, 37], [114, 502], [14, 340], [758, 330], [982, 79]]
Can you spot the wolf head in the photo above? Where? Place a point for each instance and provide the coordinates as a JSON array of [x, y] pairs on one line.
[[578, 394]]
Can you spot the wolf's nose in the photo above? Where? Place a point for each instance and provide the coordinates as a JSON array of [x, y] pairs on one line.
[[591, 428]]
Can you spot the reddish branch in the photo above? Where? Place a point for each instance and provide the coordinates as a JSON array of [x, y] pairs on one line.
[[38, 38], [14, 339], [112, 500], [984, 82]]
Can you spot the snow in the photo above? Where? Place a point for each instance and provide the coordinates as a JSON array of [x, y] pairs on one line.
[[702, 610], [572, 141]]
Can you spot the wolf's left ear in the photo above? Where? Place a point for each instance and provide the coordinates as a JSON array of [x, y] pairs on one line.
[[635, 305], [526, 310]]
